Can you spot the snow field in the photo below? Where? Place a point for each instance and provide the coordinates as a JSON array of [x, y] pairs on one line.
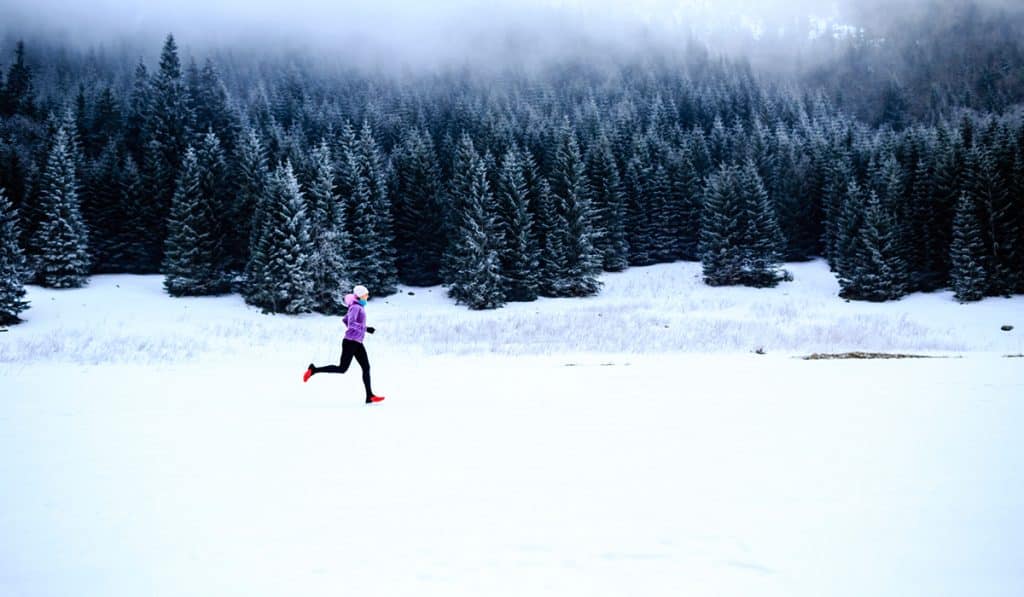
[[167, 447], [699, 475]]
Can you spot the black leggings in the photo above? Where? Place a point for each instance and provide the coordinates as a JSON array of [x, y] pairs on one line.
[[350, 349]]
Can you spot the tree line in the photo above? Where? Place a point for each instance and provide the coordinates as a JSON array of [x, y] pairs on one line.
[[288, 182]]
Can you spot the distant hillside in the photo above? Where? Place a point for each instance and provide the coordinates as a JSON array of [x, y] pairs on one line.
[[920, 64]]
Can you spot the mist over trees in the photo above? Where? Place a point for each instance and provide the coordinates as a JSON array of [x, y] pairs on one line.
[[289, 182]]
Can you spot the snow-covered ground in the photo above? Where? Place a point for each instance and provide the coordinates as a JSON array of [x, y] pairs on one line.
[[157, 446]]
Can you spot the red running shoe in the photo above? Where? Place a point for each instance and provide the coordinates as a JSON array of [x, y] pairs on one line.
[[308, 373], [373, 399]]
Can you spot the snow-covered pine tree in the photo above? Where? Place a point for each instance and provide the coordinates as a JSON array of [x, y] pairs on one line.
[[65, 119], [551, 233], [328, 235], [519, 253], [849, 219], [639, 229], [169, 125], [741, 242], [478, 281], [372, 229], [1000, 222], [1016, 197], [721, 226], [193, 256], [988, 193], [572, 193], [967, 253], [890, 181], [718, 142], [688, 192], [663, 226], [282, 280], [210, 106], [460, 189], [878, 271], [838, 175], [12, 265], [609, 207], [185, 270], [216, 188], [419, 239], [763, 235], [80, 116], [62, 239], [18, 95], [13, 177], [251, 175]]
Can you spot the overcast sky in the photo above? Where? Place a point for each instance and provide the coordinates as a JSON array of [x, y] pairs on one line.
[[420, 31]]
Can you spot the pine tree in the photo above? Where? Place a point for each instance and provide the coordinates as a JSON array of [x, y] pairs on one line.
[[609, 208], [80, 112], [929, 241], [170, 130], [12, 265], [251, 176], [878, 271], [372, 232], [65, 119], [741, 242], [721, 227], [948, 186], [281, 279], [478, 280], [1000, 222], [1016, 207], [846, 231], [967, 274], [572, 193], [764, 235], [460, 190], [551, 234], [328, 235], [62, 239], [838, 175], [988, 192], [210, 105], [193, 255], [664, 245], [639, 227], [419, 239], [18, 95], [519, 253], [14, 174], [687, 191], [216, 189]]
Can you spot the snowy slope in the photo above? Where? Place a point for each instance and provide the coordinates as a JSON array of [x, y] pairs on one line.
[[167, 447]]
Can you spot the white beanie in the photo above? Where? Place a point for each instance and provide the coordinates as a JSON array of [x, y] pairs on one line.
[[360, 291]]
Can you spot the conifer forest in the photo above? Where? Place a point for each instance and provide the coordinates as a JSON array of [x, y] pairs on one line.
[[901, 163]]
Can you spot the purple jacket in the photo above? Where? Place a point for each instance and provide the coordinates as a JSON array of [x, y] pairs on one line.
[[355, 319]]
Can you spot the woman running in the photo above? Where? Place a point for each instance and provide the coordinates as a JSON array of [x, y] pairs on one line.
[[352, 345]]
